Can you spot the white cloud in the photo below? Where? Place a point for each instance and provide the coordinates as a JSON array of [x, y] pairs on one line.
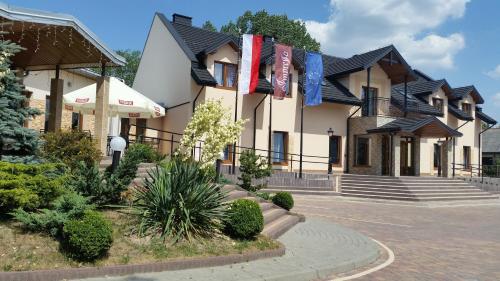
[[357, 26], [496, 99], [495, 73]]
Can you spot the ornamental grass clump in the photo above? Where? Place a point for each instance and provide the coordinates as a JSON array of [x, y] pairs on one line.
[[179, 201]]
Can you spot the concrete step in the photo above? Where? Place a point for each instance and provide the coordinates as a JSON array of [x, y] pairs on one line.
[[299, 188], [273, 214], [417, 195], [415, 191], [236, 194], [264, 206], [400, 182], [375, 196], [276, 228], [403, 186], [304, 191]]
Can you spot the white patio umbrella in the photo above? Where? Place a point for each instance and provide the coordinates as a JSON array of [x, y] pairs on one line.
[[124, 101]]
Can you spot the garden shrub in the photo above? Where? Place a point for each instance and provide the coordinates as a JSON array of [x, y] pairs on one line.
[[87, 238], [70, 147], [245, 219], [69, 206], [144, 153], [284, 200], [30, 186], [179, 201], [252, 166], [263, 195]]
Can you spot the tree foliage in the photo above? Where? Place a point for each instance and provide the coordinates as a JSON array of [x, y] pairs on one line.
[[16, 141], [252, 166], [128, 71], [284, 30], [208, 25], [212, 124]]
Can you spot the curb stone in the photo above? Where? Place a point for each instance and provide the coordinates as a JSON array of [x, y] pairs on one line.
[[118, 270]]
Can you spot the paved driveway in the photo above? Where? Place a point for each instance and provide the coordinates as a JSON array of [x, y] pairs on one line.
[[440, 242]]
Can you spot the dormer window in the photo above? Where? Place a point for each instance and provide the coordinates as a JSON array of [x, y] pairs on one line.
[[467, 108], [225, 75], [438, 104]]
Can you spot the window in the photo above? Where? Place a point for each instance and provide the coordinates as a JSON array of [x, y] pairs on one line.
[[369, 99], [438, 104], [467, 164], [225, 74], [466, 107], [228, 154], [288, 93], [335, 149], [362, 151], [280, 148]]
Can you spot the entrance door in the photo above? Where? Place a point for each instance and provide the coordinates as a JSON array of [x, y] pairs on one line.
[[437, 158], [386, 155], [407, 153]]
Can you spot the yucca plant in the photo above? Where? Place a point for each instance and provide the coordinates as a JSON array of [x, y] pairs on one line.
[[179, 201]]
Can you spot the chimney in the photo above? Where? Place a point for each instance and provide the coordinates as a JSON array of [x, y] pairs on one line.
[[181, 19]]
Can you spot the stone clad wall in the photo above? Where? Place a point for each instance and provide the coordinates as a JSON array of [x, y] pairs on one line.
[[358, 127]]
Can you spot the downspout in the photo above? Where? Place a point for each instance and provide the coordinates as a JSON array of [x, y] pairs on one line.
[[346, 170], [197, 96], [479, 152], [454, 144], [255, 120]]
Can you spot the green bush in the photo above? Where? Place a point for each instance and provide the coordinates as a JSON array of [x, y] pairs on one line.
[[30, 186], [179, 201], [70, 147], [245, 219], [263, 195], [252, 166], [51, 221], [146, 153], [87, 238], [284, 200]]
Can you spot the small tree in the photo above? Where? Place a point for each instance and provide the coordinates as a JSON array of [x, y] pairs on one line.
[[252, 166], [208, 25], [17, 143], [212, 124]]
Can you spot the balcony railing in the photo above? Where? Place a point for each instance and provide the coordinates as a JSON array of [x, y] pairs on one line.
[[376, 107]]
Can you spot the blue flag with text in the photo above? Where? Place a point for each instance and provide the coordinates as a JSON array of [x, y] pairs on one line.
[[314, 78]]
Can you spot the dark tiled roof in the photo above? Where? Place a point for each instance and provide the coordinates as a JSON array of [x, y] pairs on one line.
[[201, 75], [423, 87], [482, 116], [457, 112], [414, 104], [334, 91], [422, 76], [358, 62], [491, 140], [263, 86], [461, 92], [410, 125]]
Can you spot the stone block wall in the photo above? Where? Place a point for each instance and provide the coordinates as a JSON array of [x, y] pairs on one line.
[[491, 185], [358, 127]]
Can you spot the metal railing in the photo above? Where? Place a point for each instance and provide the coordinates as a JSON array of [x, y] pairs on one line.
[[475, 170], [172, 139]]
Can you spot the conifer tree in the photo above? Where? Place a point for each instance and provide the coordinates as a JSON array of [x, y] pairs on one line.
[[17, 143]]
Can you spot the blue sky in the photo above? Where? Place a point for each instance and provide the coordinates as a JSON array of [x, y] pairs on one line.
[[453, 39]]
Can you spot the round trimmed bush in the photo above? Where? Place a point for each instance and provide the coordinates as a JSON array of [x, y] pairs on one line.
[[245, 219], [88, 238], [284, 200]]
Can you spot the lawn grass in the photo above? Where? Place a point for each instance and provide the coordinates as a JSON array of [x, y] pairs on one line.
[[20, 250]]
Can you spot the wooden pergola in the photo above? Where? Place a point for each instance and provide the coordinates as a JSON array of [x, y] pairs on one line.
[[54, 42]]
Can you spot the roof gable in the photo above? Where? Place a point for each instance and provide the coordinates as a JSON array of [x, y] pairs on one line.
[[428, 126], [461, 92]]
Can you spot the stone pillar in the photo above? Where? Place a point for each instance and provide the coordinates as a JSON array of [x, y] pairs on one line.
[[416, 156], [396, 156], [101, 113], [56, 104]]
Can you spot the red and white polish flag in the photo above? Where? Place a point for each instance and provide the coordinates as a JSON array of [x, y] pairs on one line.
[[250, 62]]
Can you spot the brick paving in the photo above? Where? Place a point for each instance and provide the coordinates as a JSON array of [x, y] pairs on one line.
[[434, 242]]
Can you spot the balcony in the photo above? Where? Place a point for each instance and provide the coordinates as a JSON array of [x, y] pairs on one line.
[[395, 107], [376, 107]]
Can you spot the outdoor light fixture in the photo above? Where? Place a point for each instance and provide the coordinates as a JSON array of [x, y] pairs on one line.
[[118, 145], [330, 135], [330, 132]]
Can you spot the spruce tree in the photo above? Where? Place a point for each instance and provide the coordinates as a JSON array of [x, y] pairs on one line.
[[17, 143]]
